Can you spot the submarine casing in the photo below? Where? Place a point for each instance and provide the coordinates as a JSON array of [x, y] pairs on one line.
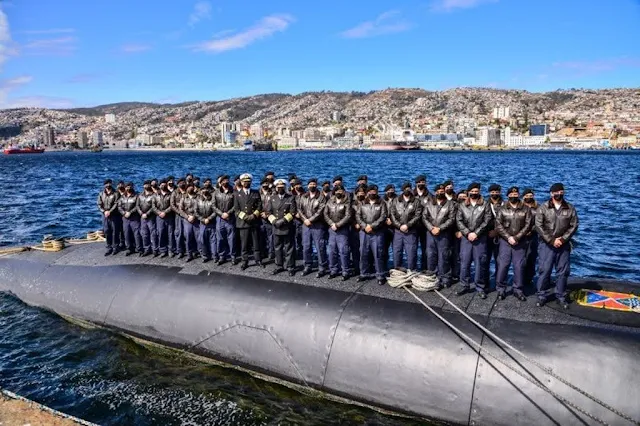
[[359, 341]]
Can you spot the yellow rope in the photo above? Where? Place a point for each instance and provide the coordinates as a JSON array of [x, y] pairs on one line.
[[51, 244], [12, 250], [92, 237]]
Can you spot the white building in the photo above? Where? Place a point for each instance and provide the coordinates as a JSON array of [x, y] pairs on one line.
[[97, 138], [487, 136], [110, 118], [336, 116], [256, 130], [83, 139], [469, 141], [501, 113]]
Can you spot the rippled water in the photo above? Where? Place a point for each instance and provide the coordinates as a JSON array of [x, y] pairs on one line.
[[107, 379]]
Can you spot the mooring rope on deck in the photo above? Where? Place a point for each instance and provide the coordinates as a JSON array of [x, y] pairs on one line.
[[51, 244]]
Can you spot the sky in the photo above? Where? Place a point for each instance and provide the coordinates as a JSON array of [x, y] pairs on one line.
[[73, 53]]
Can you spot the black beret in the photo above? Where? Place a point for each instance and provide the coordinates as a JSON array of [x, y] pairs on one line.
[[338, 187], [362, 177], [527, 191], [495, 187], [447, 183], [292, 176], [326, 182], [147, 182], [513, 189], [207, 179], [474, 185], [181, 180], [372, 188], [389, 187], [196, 178], [163, 181], [421, 178], [152, 179], [107, 182], [335, 178], [129, 184], [438, 187], [236, 177], [269, 173], [406, 185], [362, 188], [314, 180], [557, 187], [170, 178], [121, 183], [189, 174]]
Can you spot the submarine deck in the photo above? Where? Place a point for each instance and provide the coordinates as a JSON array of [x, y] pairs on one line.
[[510, 308]]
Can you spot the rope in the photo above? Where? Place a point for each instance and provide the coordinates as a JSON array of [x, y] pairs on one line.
[[92, 237], [12, 250], [51, 244], [423, 282]]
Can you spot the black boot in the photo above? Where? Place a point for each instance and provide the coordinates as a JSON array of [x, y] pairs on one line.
[[321, 274], [306, 271], [108, 252], [244, 265], [332, 276], [463, 290], [277, 270]]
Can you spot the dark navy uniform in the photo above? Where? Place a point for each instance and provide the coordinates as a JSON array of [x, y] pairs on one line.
[[281, 211], [248, 206], [148, 221], [165, 222], [440, 214], [128, 208], [266, 228], [207, 240], [338, 215], [223, 200], [372, 214], [532, 239], [111, 220], [406, 210], [422, 193], [176, 197], [188, 209], [311, 208]]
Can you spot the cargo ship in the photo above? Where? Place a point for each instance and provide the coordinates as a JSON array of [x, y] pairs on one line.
[[394, 145], [27, 150]]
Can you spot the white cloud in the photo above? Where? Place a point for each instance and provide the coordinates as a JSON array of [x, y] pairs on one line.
[[201, 10], [450, 5], [134, 48], [51, 46], [50, 31], [38, 102], [5, 37], [386, 23], [266, 27], [11, 84]]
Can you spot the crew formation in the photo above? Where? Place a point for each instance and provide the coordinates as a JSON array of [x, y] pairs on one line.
[[348, 234]]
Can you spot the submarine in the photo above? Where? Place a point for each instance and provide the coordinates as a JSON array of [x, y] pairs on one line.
[[406, 352]]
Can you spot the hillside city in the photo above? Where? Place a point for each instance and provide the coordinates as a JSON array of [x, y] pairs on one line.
[[473, 118]]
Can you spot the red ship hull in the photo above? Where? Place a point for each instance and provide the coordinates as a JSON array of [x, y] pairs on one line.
[[24, 150]]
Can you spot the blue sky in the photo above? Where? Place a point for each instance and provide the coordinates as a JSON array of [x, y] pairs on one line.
[[83, 53]]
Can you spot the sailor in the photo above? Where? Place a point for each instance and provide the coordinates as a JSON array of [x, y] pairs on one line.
[[473, 219], [225, 222], [188, 209], [154, 185], [405, 214], [297, 190], [337, 215], [170, 183], [121, 193], [108, 205], [354, 231], [532, 238], [449, 190], [513, 222], [326, 189], [362, 180], [196, 183], [292, 182], [461, 197], [266, 228], [493, 240], [237, 185], [389, 196], [178, 235], [164, 220], [248, 206], [148, 220], [422, 193], [439, 217], [270, 178], [371, 216], [128, 208], [337, 180], [281, 211], [314, 230], [556, 223], [208, 184], [206, 215]]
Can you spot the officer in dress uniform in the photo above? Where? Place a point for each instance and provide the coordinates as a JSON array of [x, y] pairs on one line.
[[111, 221], [389, 196], [556, 223], [178, 235], [513, 222], [164, 220], [531, 239], [223, 201], [337, 215], [439, 217], [128, 208], [405, 214], [371, 216], [148, 220], [310, 207], [248, 206], [281, 211], [266, 228], [473, 219], [422, 193], [206, 214], [188, 208]]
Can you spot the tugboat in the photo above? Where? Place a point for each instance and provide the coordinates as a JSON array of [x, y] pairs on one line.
[[27, 150]]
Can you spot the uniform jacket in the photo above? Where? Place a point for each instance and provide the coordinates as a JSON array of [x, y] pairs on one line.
[[404, 212], [176, 197], [514, 222], [281, 212], [129, 204], [247, 208], [440, 216], [146, 204], [374, 214], [188, 206], [312, 208], [470, 218], [551, 223], [108, 202], [338, 213], [223, 202], [162, 203], [205, 210]]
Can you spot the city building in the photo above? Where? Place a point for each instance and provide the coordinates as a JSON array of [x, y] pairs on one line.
[[487, 136], [336, 116], [501, 113], [97, 138], [256, 130], [110, 118], [49, 136], [538, 129], [82, 139]]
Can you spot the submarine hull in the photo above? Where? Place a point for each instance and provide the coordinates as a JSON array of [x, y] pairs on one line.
[[360, 341]]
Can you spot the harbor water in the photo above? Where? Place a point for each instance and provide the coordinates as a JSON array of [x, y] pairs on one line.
[[107, 379]]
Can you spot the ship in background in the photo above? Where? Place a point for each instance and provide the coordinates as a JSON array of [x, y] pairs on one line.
[[31, 149], [259, 145], [400, 141]]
